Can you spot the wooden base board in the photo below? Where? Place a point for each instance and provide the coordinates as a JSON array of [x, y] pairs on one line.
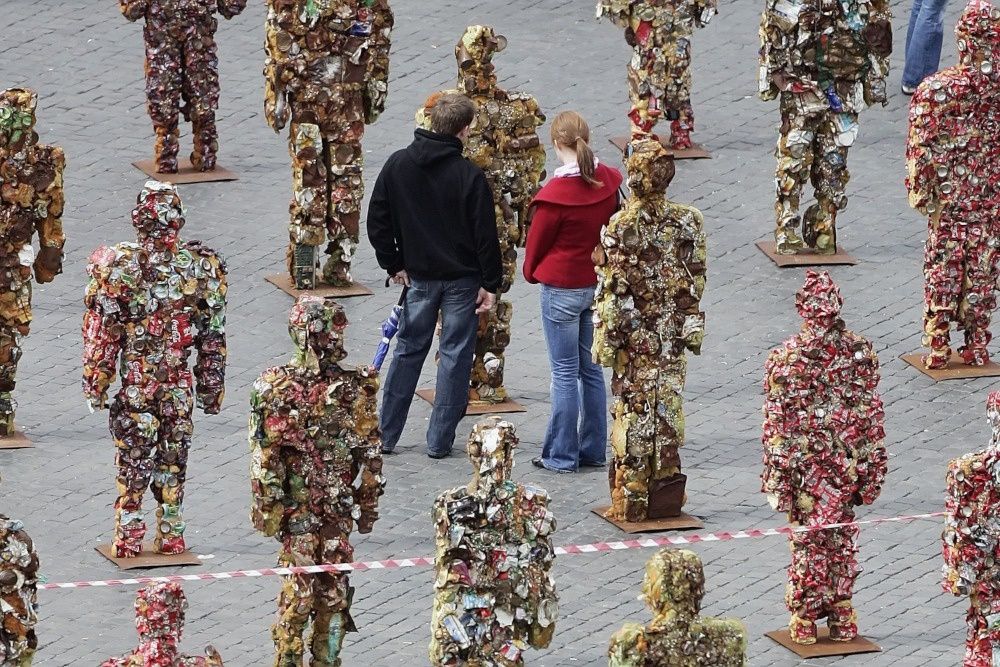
[[955, 370], [284, 283], [186, 173], [682, 522], [479, 407], [824, 646], [17, 441], [806, 257], [148, 558], [696, 152]]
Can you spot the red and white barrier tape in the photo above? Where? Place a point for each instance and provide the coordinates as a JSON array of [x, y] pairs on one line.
[[393, 564]]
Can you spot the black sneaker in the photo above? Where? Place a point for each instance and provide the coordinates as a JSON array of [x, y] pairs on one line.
[[588, 464], [438, 455]]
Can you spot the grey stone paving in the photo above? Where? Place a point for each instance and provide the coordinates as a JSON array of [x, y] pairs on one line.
[[85, 60]]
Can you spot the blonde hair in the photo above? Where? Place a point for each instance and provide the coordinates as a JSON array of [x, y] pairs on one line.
[[569, 129]]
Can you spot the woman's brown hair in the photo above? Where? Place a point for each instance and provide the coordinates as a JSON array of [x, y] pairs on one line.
[[570, 130]]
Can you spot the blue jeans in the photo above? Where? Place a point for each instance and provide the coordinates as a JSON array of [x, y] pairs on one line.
[[455, 300], [923, 41], [578, 426]]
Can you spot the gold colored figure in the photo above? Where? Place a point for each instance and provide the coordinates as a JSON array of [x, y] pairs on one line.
[[316, 470], [18, 594], [651, 273], [493, 595], [659, 74], [31, 200], [504, 143], [673, 588], [327, 71]]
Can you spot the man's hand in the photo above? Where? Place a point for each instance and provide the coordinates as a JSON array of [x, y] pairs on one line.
[[401, 278], [484, 301]]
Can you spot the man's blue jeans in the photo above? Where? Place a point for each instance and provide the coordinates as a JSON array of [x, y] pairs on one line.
[[578, 425], [923, 41], [455, 300]]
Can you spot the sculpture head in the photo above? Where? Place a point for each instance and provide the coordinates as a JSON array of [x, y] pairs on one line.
[[649, 166], [819, 300], [491, 451], [674, 584], [159, 612], [317, 326], [474, 53], [17, 118], [978, 33], [158, 214]]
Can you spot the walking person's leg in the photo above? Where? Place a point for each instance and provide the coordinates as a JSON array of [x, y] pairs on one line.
[[561, 325], [456, 348], [925, 37], [416, 329], [593, 395]]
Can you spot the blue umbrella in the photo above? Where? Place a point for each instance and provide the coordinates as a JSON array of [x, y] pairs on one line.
[[389, 329]]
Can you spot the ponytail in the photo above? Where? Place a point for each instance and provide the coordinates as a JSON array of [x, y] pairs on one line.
[[585, 160], [569, 129]]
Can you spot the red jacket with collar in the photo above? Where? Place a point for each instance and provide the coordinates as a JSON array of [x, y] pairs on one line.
[[566, 228]]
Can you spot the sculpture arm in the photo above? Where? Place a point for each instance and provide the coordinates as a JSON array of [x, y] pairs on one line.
[[133, 10], [277, 72], [377, 88], [872, 458], [624, 649], [776, 479], [231, 8], [608, 311], [773, 56], [366, 451], [878, 36], [51, 238], [102, 335], [693, 330], [618, 12], [210, 339], [267, 469], [923, 138], [702, 11]]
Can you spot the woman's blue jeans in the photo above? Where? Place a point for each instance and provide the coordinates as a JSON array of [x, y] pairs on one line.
[[578, 425], [923, 41]]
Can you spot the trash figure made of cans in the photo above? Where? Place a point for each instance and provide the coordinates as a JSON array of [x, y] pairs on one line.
[[659, 74], [494, 596], [823, 455], [148, 305], [504, 143], [651, 277], [18, 594], [326, 72], [159, 620], [673, 589], [315, 472], [31, 200], [825, 61], [182, 73], [953, 165], [972, 542]]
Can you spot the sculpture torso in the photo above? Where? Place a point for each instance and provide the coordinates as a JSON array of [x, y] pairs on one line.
[[972, 529], [180, 17], [669, 640], [30, 191], [18, 594]]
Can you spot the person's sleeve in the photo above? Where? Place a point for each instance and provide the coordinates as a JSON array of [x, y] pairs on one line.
[[541, 237], [381, 232], [484, 229]]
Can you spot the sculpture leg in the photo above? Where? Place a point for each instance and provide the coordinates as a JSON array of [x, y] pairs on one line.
[[173, 443], [981, 642], [164, 62], [134, 433], [681, 112], [493, 335], [829, 177], [645, 110], [808, 576], [943, 252], [345, 161], [296, 600], [631, 472], [843, 550], [309, 206], [979, 295], [795, 157], [201, 93], [15, 318], [332, 617]]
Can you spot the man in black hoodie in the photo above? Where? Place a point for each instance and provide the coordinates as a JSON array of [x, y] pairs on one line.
[[432, 223]]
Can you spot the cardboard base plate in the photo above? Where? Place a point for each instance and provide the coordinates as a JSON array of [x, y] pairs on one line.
[[477, 407], [696, 152], [186, 173], [284, 283], [682, 522], [824, 646], [955, 370], [17, 441], [148, 558], [805, 257]]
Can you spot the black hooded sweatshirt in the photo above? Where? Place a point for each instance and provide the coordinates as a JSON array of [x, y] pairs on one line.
[[432, 214]]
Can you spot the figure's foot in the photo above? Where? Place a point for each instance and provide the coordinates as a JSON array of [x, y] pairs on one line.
[[166, 165], [936, 360], [130, 544], [203, 161], [336, 272], [680, 140], [802, 631], [825, 245], [974, 356], [843, 621], [6, 414], [173, 544], [787, 242]]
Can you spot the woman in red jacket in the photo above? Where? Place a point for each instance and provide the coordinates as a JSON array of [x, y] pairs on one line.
[[568, 215]]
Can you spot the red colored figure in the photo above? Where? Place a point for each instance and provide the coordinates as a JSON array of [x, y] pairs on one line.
[[823, 455], [972, 542], [182, 73], [953, 165], [159, 619], [148, 304]]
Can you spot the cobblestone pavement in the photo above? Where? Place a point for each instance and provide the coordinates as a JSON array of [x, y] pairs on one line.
[[86, 62]]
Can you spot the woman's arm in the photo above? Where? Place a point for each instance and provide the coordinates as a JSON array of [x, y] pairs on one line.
[[541, 237]]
